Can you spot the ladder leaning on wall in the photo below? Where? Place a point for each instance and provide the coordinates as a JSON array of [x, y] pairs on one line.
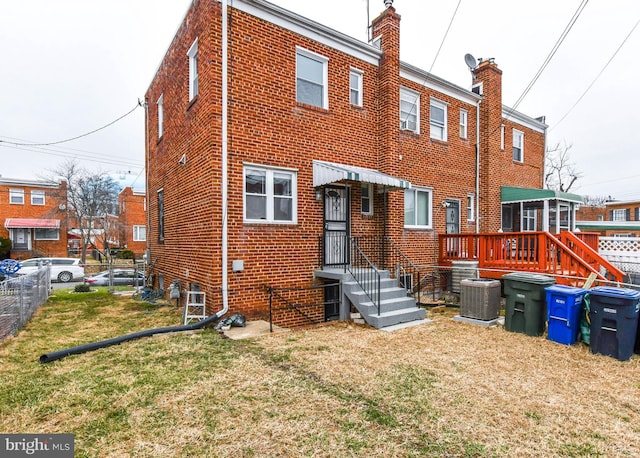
[[195, 308]]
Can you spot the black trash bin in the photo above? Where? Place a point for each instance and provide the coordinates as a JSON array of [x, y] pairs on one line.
[[614, 321], [525, 296]]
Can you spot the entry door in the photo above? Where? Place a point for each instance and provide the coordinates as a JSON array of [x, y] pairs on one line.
[[336, 226], [453, 217], [20, 239]]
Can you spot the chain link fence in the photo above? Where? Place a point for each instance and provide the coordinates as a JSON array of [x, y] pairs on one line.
[[20, 297]]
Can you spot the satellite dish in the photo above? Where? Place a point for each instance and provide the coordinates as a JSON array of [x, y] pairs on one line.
[[470, 61]]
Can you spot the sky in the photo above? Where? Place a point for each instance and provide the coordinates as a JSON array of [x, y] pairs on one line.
[[71, 67]]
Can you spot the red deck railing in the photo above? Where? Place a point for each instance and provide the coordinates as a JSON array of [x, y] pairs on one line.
[[568, 257]]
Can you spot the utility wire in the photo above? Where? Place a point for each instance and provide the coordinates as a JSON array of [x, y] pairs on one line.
[[445, 36], [139, 104], [553, 51], [597, 76]]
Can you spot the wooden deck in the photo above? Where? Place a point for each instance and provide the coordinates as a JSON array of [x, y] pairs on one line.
[[570, 257]]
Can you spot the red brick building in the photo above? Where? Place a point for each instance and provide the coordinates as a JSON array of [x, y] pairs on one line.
[[329, 139], [33, 215], [613, 218], [132, 220]]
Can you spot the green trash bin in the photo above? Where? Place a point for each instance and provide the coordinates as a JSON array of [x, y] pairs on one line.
[[525, 302]]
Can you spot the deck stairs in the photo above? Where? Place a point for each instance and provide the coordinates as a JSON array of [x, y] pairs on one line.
[[396, 306]]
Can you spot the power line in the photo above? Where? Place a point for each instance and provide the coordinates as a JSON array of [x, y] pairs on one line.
[[597, 76], [139, 104], [445, 35], [553, 51]]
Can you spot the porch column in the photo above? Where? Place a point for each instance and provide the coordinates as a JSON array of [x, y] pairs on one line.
[[545, 216]]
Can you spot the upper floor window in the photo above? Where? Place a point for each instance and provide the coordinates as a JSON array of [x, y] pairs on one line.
[[417, 208], [139, 233], [464, 122], [409, 110], [355, 87], [620, 214], [37, 197], [161, 215], [312, 78], [270, 195], [160, 116], [367, 199], [16, 196], [438, 120], [518, 146], [193, 70]]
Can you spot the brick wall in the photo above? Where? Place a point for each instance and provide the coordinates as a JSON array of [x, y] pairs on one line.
[[133, 212], [269, 128]]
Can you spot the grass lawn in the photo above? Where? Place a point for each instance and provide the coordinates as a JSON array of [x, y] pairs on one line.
[[440, 389]]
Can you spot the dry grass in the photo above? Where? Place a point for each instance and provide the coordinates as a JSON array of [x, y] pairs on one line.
[[441, 389]]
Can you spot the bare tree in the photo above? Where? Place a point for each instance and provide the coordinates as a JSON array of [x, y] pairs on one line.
[[595, 201], [91, 196], [560, 171]]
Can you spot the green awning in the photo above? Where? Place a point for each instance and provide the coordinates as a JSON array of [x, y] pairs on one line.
[[510, 194]]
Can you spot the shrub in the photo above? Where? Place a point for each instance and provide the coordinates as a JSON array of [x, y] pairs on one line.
[[125, 254], [83, 288]]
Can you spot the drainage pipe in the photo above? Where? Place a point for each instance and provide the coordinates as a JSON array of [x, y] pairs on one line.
[[53, 356]]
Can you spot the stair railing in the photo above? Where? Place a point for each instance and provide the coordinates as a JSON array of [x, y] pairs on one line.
[[364, 272], [408, 274]]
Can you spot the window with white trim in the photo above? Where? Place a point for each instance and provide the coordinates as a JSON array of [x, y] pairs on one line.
[[367, 199], [619, 214], [270, 195], [139, 233], [193, 70], [355, 87], [464, 123], [409, 110], [529, 219], [160, 116], [438, 120], [16, 196], [312, 78], [37, 197], [518, 146], [417, 208], [40, 233], [502, 137], [471, 204]]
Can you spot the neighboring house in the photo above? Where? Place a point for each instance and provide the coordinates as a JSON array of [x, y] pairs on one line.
[[330, 141], [33, 214], [613, 219], [133, 220]]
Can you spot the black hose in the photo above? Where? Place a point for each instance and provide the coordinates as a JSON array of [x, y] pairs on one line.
[[48, 357]]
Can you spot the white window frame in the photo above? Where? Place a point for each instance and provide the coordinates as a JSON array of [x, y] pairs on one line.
[[139, 233], [367, 198], [432, 134], [269, 195], [160, 104], [413, 224], [471, 207], [357, 90], [464, 124], [38, 234], [502, 129], [16, 196], [324, 103], [413, 99], [518, 144], [193, 70], [529, 220], [619, 214], [37, 197]]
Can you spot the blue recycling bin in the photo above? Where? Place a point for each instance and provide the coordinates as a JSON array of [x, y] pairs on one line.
[[564, 304], [614, 321]]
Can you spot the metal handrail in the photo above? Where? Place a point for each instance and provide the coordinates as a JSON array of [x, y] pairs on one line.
[[289, 305], [408, 267], [365, 273]]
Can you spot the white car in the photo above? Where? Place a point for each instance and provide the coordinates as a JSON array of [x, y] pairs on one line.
[[62, 269]]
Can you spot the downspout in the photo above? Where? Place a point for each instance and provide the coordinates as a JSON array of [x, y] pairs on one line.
[[225, 184], [478, 166]]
